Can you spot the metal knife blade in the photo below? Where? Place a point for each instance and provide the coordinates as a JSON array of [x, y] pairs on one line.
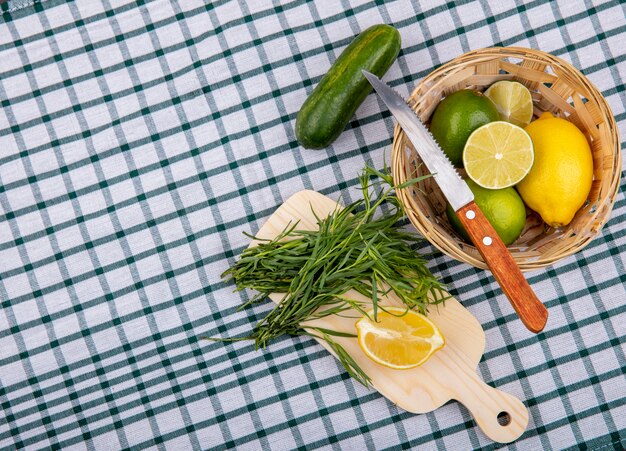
[[453, 187]]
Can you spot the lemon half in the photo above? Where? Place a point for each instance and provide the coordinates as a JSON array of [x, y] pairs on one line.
[[400, 339]]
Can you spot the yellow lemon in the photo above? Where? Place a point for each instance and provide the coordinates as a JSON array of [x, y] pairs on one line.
[[401, 339], [560, 180]]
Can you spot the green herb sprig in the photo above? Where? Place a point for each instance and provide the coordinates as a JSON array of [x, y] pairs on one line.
[[354, 248]]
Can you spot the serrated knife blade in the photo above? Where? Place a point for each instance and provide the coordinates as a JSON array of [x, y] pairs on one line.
[[453, 187]]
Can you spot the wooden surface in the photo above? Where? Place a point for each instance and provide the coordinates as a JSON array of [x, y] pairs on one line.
[[448, 374], [505, 270]]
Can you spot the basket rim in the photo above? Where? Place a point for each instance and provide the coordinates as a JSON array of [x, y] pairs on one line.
[[430, 230]]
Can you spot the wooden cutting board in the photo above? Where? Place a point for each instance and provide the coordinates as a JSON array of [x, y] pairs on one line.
[[449, 374]]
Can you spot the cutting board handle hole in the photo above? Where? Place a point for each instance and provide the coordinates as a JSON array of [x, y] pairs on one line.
[[504, 419]]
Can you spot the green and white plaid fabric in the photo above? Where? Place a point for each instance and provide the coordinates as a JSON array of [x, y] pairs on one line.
[[138, 140]]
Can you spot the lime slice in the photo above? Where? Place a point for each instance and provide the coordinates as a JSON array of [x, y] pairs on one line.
[[513, 101], [498, 155]]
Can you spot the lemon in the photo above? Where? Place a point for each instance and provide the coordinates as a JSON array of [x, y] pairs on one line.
[[456, 117], [400, 339], [498, 155], [503, 208], [560, 180], [513, 101]]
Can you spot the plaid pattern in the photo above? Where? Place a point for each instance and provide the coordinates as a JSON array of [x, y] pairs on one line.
[[138, 140]]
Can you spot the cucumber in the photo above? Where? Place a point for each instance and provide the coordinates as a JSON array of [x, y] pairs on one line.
[[328, 109]]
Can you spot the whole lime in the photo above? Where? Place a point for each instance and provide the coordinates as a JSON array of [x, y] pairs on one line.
[[503, 208], [456, 117]]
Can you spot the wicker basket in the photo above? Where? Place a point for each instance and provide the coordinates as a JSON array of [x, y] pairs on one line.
[[555, 86]]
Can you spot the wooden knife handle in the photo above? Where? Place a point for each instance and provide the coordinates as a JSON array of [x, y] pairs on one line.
[[513, 283]]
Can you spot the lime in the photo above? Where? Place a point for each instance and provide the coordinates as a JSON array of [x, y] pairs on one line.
[[498, 155], [513, 101], [503, 208], [456, 117]]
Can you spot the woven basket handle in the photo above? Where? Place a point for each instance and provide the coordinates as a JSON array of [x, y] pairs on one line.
[[523, 299]]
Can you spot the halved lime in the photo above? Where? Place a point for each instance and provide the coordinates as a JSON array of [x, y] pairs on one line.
[[513, 101], [498, 155]]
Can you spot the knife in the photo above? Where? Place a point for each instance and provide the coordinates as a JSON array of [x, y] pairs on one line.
[[530, 310]]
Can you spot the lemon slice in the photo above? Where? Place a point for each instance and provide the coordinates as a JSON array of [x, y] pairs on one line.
[[498, 155], [400, 339], [513, 101]]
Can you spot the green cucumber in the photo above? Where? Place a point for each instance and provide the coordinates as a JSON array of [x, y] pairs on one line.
[[328, 109]]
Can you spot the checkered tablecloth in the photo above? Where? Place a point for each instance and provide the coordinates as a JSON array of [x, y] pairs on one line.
[[138, 140]]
